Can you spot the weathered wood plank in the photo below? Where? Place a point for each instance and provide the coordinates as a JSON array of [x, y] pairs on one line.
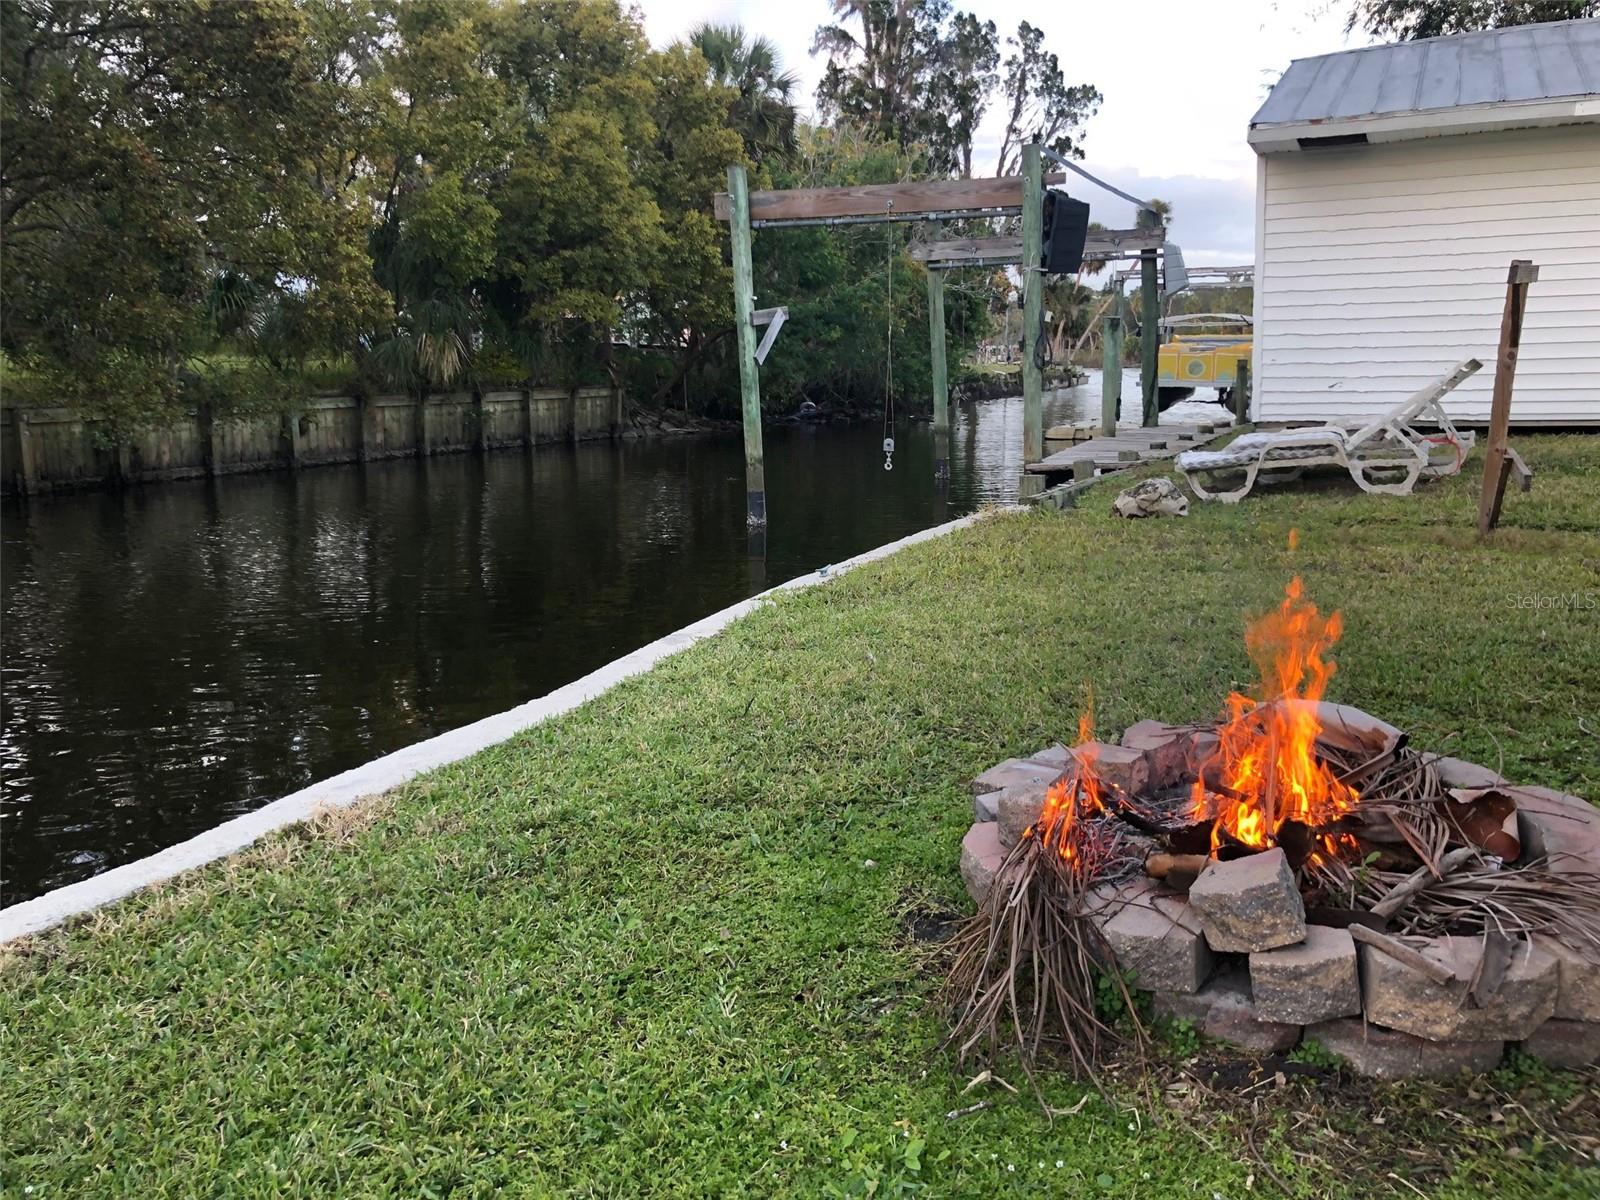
[[961, 249], [1111, 366], [1127, 449], [1101, 243], [880, 199], [773, 319]]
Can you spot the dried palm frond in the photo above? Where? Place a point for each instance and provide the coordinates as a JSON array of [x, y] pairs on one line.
[[1029, 965], [1399, 792], [1523, 899], [1420, 825]]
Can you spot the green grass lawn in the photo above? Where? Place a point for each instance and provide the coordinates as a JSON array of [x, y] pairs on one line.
[[641, 948]]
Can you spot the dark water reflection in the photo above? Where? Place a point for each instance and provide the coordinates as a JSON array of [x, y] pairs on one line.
[[181, 653]]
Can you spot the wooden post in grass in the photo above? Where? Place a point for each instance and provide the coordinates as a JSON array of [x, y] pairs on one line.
[[1032, 304], [1149, 325], [1111, 365], [755, 472], [1241, 391], [1497, 460]]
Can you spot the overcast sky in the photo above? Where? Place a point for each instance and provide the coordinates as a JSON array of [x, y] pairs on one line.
[[1177, 102]]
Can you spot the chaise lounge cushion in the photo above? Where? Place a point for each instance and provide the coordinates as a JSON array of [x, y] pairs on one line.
[[1284, 445]]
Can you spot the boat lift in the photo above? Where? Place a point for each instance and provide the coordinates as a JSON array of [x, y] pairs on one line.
[[937, 200]]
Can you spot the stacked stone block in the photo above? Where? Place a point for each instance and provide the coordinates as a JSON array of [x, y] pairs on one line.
[[1238, 959]]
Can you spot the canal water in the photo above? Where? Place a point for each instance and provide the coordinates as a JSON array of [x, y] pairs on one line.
[[177, 654]]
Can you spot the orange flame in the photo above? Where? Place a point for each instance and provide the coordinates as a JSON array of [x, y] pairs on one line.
[[1077, 794], [1069, 799], [1331, 847], [1266, 771]]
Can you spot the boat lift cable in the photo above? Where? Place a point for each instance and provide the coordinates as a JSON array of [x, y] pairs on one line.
[[1062, 161]]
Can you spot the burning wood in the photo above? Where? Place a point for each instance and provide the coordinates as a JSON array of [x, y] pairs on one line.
[[1365, 833], [1266, 772]]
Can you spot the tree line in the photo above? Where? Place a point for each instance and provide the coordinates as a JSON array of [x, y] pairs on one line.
[[209, 200]]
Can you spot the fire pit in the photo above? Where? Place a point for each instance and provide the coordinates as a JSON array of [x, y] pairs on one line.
[[1294, 870]]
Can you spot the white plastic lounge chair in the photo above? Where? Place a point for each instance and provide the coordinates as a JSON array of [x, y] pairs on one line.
[[1386, 456]]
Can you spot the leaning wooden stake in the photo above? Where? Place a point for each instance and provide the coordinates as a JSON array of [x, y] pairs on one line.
[[1497, 461], [755, 472]]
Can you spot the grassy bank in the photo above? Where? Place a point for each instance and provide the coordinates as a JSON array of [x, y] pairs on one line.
[[661, 945]]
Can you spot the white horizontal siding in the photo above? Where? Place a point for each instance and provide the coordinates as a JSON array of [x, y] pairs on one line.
[[1378, 268], [1554, 249], [1506, 192], [1405, 235], [1355, 363], [1398, 312], [1533, 171], [1427, 158], [1571, 283], [1466, 211], [1556, 340]]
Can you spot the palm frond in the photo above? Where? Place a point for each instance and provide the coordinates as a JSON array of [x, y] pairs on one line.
[[1029, 966]]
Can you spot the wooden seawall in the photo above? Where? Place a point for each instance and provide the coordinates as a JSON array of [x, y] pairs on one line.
[[48, 449]]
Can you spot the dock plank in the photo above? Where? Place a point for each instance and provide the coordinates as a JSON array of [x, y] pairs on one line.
[[1106, 453]]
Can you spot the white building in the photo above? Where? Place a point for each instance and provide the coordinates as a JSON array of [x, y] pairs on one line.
[[1394, 185]]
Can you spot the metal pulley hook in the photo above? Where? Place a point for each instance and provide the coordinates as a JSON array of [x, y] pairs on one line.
[[888, 454]]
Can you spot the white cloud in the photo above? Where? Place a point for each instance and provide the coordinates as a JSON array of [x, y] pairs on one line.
[[1213, 219]]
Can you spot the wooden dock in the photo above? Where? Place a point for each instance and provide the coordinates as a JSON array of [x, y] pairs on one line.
[[1129, 448]]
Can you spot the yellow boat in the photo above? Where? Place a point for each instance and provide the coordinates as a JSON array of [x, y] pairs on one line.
[[1202, 350]]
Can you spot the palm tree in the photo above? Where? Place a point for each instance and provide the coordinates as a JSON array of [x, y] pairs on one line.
[[434, 325], [763, 111]]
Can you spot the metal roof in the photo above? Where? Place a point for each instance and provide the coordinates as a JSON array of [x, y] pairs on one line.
[[1524, 63]]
